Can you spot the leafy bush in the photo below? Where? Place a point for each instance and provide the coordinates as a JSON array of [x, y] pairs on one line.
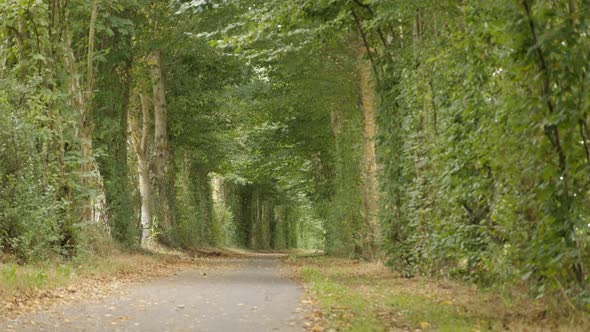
[[30, 212]]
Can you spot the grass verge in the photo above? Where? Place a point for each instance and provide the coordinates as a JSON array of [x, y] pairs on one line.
[[358, 296]]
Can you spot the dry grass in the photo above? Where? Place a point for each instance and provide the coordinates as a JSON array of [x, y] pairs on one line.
[[358, 296]]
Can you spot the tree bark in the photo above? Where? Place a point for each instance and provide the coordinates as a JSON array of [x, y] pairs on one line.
[[164, 181], [369, 160], [140, 141]]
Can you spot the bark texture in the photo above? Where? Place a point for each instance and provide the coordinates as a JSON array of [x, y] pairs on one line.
[[141, 139], [369, 160], [164, 176]]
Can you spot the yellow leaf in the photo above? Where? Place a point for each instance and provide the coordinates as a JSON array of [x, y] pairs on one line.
[[424, 325]]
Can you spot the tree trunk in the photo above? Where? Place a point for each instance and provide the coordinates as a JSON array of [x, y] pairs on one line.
[[369, 160], [140, 141], [94, 208], [145, 192], [164, 180]]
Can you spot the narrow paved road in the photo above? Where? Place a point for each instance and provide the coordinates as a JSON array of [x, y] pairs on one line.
[[248, 297]]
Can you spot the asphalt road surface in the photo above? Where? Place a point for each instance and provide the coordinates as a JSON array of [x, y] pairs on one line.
[[251, 296]]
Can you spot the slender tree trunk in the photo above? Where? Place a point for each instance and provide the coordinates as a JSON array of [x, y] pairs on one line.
[[161, 113], [145, 192], [254, 218], [164, 180], [94, 209], [369, 160], [141, 146], [84, 98]]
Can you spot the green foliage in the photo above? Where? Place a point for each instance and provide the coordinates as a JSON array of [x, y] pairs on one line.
[[195, 226], [111, 111], [30, 213], [483, 129], [483, 139], [43, 191], [475, 181], [222, 226]]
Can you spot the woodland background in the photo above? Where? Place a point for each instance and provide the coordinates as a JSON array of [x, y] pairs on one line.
[[445, 137]]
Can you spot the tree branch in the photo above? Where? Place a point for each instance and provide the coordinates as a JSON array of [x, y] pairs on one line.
[[366, 43]]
